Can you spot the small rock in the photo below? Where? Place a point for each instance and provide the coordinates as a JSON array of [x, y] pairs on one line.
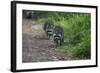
[[61, 58], [54, 58], [36, 47]]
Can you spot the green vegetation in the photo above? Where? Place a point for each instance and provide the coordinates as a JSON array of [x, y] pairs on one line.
[[77, 31]]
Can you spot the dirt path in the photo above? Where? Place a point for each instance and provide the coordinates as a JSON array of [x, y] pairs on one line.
[[36, 46]]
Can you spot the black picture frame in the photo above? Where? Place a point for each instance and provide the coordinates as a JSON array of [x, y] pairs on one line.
[[14, 37]]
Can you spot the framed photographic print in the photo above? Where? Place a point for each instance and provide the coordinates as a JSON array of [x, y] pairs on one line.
[[47, 36]]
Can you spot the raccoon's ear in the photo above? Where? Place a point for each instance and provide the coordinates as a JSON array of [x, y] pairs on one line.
[[54, 34], [60, 35]]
